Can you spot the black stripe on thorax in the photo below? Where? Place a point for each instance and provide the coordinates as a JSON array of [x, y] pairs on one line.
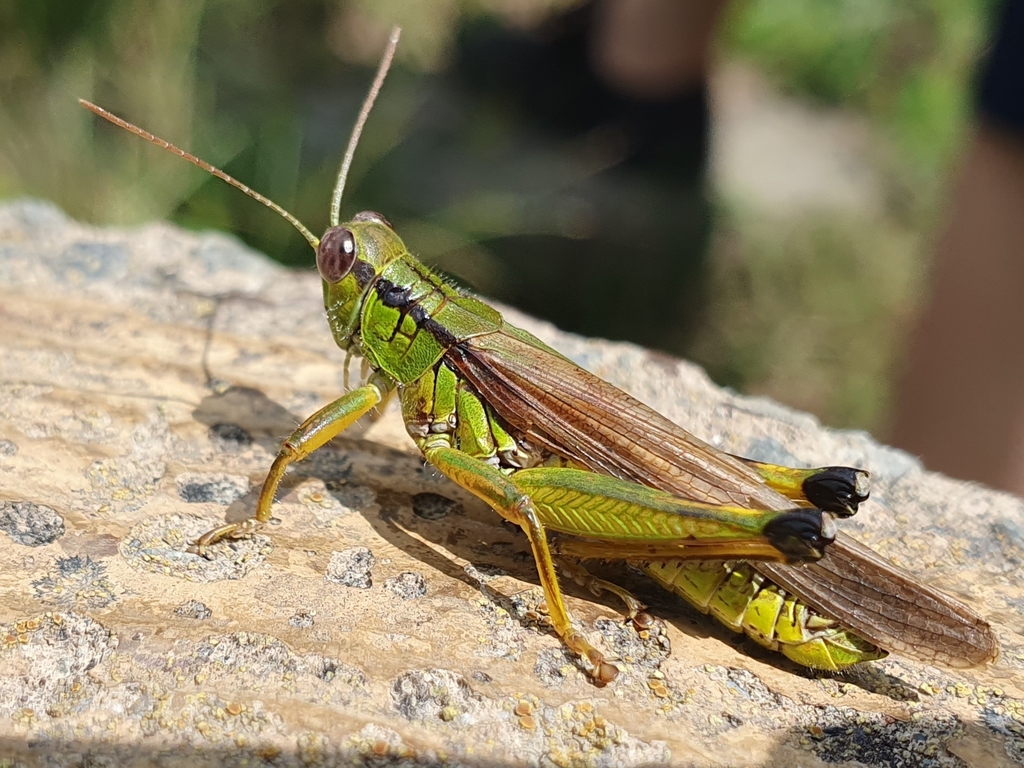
[[363, 272], [394, 296], [444, 337], [399, 297]]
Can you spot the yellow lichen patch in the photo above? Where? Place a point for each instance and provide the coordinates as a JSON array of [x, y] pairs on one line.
[[658, 688]]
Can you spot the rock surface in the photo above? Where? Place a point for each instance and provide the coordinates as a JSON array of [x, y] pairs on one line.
[[147, 377]]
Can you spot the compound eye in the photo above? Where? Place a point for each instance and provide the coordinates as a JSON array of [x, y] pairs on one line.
[[372, 216], [336, 254]]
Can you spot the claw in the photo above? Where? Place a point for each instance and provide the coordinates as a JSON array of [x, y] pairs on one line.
[[642, 620], [239, 530], [605, 673]]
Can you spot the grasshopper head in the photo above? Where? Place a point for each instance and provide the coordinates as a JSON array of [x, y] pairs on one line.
[[349, 259]]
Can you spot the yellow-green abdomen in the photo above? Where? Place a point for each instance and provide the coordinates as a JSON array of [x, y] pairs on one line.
[[743, 600]]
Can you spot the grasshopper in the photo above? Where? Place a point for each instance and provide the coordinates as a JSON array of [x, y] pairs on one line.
[[589, 472]]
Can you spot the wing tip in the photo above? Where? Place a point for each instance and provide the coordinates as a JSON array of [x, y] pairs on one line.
[[981, 650]]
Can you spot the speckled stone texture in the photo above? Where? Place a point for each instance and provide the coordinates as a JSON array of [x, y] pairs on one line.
[[146, 377]]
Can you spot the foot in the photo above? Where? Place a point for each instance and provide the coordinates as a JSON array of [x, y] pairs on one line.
[[239, 530]]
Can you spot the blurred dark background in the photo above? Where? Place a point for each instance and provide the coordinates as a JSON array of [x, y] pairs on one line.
[[768, 212]]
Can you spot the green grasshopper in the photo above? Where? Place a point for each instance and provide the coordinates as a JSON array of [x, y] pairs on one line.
[[588, 472]]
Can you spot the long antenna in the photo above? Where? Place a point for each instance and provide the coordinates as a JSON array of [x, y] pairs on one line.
[[364, 113], [313, 240]]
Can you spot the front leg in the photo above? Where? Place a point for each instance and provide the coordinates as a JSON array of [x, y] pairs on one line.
[[324, 425], [490, 485]]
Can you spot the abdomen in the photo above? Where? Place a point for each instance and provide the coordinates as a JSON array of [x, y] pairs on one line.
[[747, 602]]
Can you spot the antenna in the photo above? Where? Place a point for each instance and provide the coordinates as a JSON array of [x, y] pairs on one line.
[[313, 240], [364, 113]]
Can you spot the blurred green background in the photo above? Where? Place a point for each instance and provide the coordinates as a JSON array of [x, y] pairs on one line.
[[808, 302]]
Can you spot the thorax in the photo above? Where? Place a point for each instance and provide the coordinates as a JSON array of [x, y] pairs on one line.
[[410, 317]]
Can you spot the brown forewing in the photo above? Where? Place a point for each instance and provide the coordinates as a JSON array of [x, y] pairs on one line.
[[580, 416], [888, 606], [584, 418]]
